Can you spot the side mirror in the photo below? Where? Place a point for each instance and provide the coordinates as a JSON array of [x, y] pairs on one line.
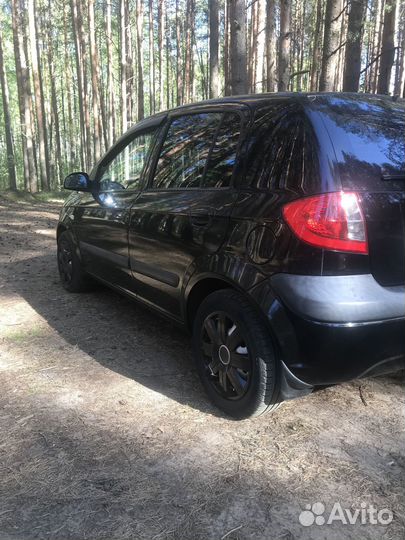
[[77, 181]]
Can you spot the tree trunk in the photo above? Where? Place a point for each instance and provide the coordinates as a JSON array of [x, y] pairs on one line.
[[123, 64], [387, 48], [161, 36], [214, 42], [139, 49], [271, 48], [284, 46], [39, 98], [189, 51], [179, 41], [82, 35], [110, 77], [130, 65], [261, 45], [330, 45], [238, 61], [80, 88], [400, 82], [316, 56], [227, 44], [23, 97], [352, 67], [94, 82], [152, 88], [12, 179], [54, 102]]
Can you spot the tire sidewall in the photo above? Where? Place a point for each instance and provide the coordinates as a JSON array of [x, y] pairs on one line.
[[76, 283], [263, 378]]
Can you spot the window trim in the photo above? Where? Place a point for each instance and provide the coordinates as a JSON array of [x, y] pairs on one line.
[[239, 109]]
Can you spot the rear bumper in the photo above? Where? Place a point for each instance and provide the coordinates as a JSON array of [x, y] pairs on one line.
[[333, 329]]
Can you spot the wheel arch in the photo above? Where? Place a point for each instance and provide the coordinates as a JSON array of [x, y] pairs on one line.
[[199, 289], [61, 228]]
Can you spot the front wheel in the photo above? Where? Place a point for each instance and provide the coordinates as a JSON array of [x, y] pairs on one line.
[[235, 356], [71, 274]]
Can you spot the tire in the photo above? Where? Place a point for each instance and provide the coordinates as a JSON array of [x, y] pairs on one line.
[[72, 276], [235, 356]]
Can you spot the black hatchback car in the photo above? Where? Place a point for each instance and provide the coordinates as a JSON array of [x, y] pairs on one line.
[[272, 226]]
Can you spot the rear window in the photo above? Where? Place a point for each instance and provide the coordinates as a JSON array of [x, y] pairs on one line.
[[368, 136]]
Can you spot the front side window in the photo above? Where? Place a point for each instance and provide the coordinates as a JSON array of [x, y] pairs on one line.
[[185, 150], [125, 170]]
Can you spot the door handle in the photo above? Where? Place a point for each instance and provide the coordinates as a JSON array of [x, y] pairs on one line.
[[200, 220]]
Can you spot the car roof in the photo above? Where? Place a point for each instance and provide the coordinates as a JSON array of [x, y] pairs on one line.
[[253, 101]]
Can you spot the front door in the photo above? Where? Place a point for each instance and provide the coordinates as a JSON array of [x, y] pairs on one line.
[[184, 212], [102, 219]]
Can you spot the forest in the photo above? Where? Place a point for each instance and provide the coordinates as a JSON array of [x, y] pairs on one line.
[[76, 74]]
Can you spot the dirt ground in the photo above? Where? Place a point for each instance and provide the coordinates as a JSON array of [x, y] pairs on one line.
[[106, 433]]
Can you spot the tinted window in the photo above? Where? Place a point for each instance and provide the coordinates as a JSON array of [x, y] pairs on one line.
[[282, 150], [223, 154], [185, 150], [125, 170], [368, 138]]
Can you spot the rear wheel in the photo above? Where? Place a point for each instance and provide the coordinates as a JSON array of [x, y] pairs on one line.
[[235, 356], [72, 276]]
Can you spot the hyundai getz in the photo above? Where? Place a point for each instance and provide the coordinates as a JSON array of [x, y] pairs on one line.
[[271, 226]]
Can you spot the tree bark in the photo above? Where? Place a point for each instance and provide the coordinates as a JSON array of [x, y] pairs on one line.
[[259, 82], [387, 48], [152, 87], [284, 46], [238, 75], [351, 74], [39, 98], [12, 178], [110, 77], [139, 49], [316, 56], [161, 40], [227, 44], [80, 87], [189, 51], [330, 45], [179, 42], [94, 82], [24, 94], [123, 65], [271, 48], [214, 43], [54, 102]]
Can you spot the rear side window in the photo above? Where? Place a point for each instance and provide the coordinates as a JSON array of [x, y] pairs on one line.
[[223, 153], [186, 150], [199, 150], [282, 150]]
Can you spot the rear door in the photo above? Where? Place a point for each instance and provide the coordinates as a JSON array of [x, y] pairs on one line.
[[185, 210]]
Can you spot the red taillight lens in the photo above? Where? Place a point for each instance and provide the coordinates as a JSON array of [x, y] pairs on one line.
[[330, 221]]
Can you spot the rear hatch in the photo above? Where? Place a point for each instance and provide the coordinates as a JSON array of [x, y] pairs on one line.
[[368, 136]]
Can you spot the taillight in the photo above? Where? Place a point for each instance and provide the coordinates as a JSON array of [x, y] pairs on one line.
[[330, 221]]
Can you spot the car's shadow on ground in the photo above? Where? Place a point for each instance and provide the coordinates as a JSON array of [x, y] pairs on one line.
[[120, 334]]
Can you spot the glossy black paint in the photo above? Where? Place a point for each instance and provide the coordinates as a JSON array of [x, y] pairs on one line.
[[169, 248]]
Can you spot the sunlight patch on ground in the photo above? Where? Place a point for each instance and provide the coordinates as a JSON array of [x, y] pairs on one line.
[[46, 232]]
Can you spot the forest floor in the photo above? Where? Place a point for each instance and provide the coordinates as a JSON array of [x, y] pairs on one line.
[[106, 433]]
